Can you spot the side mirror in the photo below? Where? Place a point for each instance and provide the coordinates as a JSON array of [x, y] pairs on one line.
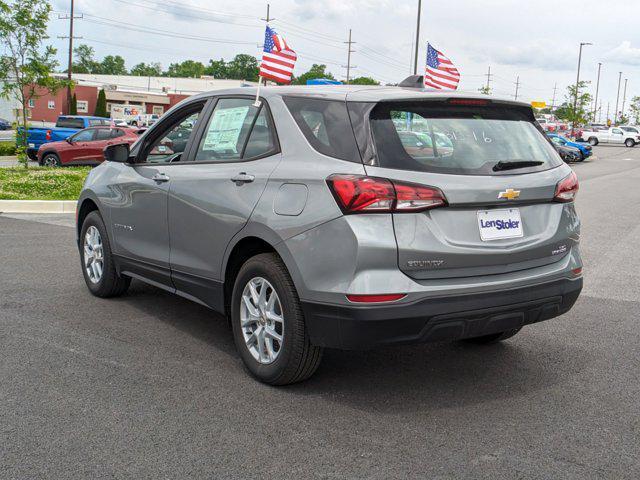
[[117, 153]]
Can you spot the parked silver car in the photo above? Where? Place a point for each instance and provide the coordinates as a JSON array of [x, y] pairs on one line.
[[314, 219]]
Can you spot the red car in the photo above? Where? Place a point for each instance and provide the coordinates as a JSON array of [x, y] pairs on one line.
[[84, 147]]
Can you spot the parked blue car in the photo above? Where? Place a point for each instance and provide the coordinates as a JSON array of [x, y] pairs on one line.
[[4, 124], [585, 148]]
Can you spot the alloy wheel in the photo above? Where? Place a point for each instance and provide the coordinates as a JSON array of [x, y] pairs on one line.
[[262, 320], [50, 161], [93, 254]]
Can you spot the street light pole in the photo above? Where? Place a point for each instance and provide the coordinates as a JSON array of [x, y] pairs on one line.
[[597, 90], [624, 98], [415, 58], [615, 113], [575, 100]]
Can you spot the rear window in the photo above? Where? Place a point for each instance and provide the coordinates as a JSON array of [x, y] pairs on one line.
[[66, 122], [95, 122], [463, 140], [326, 126]]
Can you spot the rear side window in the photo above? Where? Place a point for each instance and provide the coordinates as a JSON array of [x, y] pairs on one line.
[[66, 122], [466, 140], [102, 134], [237, 130], [95, 122], [326, 126]]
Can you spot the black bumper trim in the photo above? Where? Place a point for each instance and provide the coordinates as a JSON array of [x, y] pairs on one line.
[[438, 319]]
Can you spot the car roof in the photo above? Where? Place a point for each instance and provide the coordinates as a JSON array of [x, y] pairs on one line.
[[356, 93]]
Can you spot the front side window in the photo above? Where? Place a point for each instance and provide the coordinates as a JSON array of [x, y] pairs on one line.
[[467, 140], [326, 126], [116, 132], [237, 130], [617, 131], [83, 136], [172, 143]]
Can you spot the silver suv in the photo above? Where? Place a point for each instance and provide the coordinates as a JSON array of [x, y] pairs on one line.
[[339, 217]]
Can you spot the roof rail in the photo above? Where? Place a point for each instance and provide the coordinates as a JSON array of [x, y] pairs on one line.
[[412, 81]]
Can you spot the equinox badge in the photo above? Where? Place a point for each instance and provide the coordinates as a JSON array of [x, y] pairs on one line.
[[509, 194]]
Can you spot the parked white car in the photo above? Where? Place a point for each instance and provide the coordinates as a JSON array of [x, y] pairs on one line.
[[612, 135]]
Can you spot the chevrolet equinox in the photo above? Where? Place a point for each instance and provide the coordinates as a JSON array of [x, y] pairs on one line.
[[342, 217]]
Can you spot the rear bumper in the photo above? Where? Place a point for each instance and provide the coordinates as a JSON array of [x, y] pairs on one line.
[[438, 319]]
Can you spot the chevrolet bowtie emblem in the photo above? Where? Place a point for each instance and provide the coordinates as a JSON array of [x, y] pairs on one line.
[[509, 194]]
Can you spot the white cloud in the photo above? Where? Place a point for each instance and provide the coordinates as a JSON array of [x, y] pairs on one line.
[[624, 54]]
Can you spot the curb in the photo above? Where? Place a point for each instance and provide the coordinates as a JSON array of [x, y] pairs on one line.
[[38, 206]]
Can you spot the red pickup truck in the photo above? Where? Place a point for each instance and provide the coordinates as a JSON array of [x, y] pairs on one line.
[[85, 147]]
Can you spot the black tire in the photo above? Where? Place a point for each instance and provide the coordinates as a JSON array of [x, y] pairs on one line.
[[593, 141], [493, 337], [50, 159], [110, 284], [629, 142], [297, 359]]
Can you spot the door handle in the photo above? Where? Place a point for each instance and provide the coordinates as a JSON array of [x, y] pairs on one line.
[[160, 177], [243, 177]]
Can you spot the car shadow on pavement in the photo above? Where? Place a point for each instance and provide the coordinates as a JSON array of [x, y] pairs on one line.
[[402, 378], [443, 375]]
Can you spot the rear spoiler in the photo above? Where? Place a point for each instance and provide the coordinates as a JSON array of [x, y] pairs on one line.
[[413, 81]]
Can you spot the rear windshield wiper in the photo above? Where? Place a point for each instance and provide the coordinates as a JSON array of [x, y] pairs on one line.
[[517, 164]]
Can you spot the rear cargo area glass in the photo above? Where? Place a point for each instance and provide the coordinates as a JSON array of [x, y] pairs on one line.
[[455, 139]]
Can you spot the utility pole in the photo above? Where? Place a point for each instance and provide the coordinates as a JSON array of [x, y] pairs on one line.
[[415, 58], [607, 119], [624, 97], [69, 17], [597, 90], [349, 52], [600, 112], [488, 79], [268, 19], [515, 97], [553, 100], [575, 100], [615, 114]]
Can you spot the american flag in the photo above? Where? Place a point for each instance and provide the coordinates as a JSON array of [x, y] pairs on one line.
[[278, 59], [440, 72]]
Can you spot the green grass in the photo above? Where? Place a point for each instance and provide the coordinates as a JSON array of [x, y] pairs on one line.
[[42, 183]]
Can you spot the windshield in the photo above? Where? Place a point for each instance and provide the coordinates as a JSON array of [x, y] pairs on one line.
[[458, 139]]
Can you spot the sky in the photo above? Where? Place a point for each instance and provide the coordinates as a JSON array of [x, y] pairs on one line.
[[535, 40]]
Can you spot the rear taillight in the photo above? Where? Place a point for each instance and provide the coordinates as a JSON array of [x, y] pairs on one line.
[[567, 189], [48, 136], [360, 194]]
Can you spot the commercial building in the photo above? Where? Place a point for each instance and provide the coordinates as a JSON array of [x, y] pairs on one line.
[[149, 94]]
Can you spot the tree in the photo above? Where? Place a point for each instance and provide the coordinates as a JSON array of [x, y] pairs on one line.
[[101, 105], [363, 81], [634, 109], [243, 67], [186, 69], [581, 113], [485, 90], [217, 69], [25, 67], [73, 110], [316, 71], [112, 65], [144, 70], [85, 63]]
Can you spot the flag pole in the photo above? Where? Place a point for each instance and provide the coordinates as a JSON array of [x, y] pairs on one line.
[[257, 102]]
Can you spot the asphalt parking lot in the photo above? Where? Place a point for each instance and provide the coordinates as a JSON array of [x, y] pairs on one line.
[[149, 385]]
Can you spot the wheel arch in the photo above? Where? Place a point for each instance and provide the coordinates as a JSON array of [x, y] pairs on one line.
[[251, 241], [86, 205], [48, 152]]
